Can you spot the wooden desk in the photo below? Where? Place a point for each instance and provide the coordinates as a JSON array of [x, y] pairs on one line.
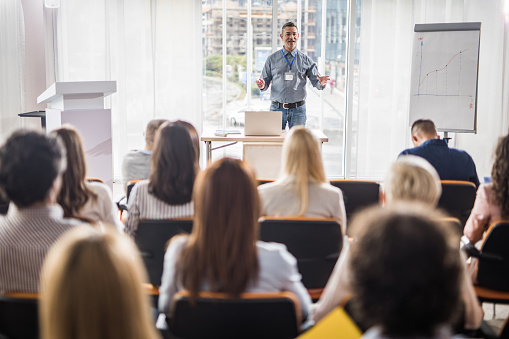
[[208, 137]]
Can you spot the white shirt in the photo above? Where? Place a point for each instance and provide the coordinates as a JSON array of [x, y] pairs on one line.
[[324, 201], [102, 209], [278, 272]]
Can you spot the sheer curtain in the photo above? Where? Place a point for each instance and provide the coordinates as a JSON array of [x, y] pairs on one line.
[[12, 47], [385, 59], [151, 48]]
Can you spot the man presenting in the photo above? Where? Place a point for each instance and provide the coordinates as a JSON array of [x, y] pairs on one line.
[[450, 163], [287, 69]]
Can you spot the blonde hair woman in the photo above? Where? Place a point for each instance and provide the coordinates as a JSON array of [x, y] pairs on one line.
[[92, 288], [302, 189], [222, 253], [412, 179]]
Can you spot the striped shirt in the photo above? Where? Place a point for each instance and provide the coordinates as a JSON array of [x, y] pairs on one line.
[[25, 237], [143, 205]]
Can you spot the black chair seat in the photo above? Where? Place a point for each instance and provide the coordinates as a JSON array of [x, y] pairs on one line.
[[19, 318], [315, 243], [267, 315]]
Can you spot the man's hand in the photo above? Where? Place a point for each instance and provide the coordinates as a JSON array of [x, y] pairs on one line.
[[260, 83], [323, 80]]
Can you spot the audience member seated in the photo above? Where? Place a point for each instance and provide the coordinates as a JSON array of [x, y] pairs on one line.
[[302, 189], [136, 163], [175, 164], [492, 201], [31, 167], [450, 163], [91, 287], [410, 179], [406, 273], [222, 253], [90, 201]]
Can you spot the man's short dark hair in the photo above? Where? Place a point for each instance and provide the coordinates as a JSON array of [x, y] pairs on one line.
[[424, 126], [29, 164], [406, 270], [288, 24]]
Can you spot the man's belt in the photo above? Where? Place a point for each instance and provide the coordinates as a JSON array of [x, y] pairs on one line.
[[287, 106]]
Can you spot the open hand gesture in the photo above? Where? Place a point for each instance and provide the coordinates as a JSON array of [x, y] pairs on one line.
[[323, 79]]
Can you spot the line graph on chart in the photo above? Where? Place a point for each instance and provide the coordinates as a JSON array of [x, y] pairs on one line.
[[444, 74], [441, 81]]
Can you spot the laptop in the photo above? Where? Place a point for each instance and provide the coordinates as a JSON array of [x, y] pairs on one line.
[[262, 123]]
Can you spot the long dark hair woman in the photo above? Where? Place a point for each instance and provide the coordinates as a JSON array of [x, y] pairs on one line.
[[90, 201], [222, 253], [492, 201], [168, 191]]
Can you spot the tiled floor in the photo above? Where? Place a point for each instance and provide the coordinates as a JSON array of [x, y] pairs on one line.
[[501, 314]]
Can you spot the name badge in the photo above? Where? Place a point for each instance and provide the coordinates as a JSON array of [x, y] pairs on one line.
[[289, 76]]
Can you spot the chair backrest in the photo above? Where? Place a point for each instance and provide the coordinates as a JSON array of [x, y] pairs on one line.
[[253, 315], [19, 317], [457, 199], [152, 237], [264, 181], [358, 194], [4, 207], [92, 179], [493, 271], [315, 243], [130, 185]]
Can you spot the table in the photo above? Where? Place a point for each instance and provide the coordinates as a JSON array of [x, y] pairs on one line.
[[208, 137]]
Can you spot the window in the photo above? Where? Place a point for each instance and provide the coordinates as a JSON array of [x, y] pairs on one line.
[[230, 92]]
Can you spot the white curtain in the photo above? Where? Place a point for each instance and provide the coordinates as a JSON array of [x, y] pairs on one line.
[[385, 60], [12, 49], [151, 48]]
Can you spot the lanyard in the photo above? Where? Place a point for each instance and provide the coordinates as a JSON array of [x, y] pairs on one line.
[[290, 64]]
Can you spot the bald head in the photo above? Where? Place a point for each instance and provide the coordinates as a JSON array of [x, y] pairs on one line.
[[423, 130]]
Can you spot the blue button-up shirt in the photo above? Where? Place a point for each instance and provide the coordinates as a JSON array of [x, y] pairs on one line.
[[289, 91], [450, 163]]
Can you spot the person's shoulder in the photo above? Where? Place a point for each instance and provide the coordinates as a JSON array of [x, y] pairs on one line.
[[268, 185], [273, 251], [99, 188], [304, 55], [326, 186], [178, 242], [274, 55], [140, 188], [460, 152], [67, 223], [485, 190], [412, 151]]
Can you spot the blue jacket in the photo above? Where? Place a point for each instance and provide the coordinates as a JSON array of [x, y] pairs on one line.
[[450, 163]]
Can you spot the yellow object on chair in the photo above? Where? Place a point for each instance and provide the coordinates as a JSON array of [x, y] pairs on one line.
[[336, 324]]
